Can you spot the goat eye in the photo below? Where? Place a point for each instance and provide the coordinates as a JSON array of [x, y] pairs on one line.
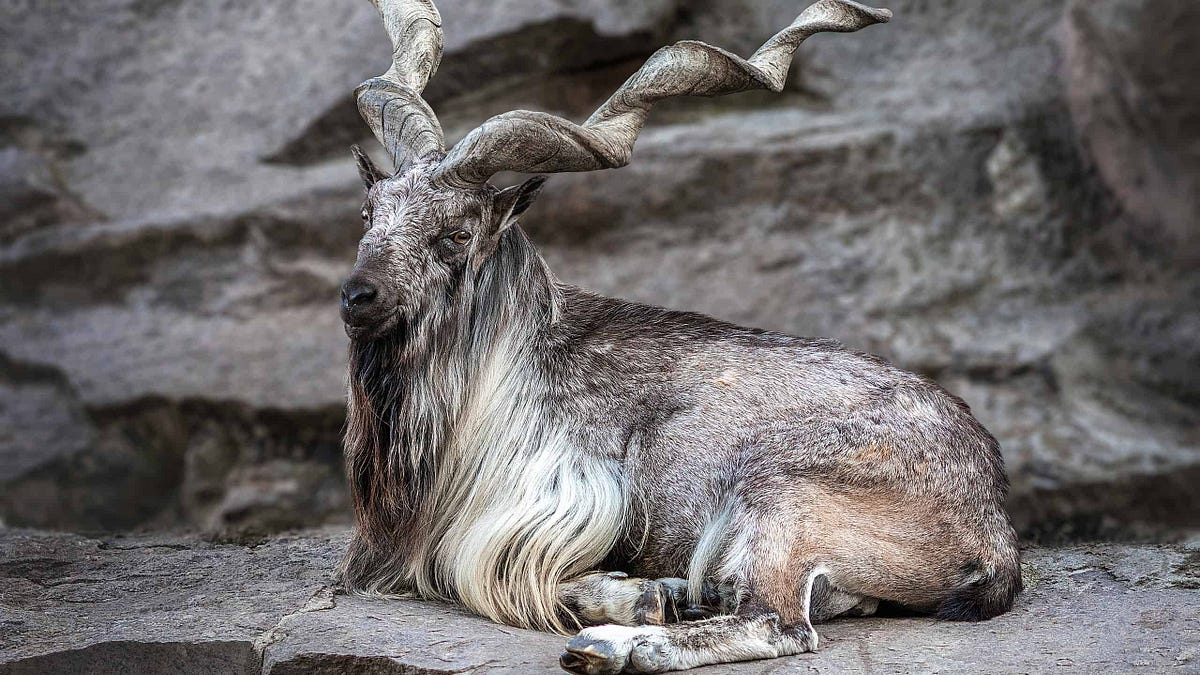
[[461, 237], [365, 216]]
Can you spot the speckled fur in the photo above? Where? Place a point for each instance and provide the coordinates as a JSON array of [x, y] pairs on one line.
[[785, 460], [510, 435]]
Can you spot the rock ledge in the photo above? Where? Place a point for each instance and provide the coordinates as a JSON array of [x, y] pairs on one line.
[[178, 604]]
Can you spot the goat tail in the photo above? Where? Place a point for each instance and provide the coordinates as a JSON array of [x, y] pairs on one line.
[[988, 589]]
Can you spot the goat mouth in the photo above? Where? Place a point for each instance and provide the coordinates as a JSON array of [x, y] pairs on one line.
[[375, 329]]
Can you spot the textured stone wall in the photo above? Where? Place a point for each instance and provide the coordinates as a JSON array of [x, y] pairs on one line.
[[1002, 195]]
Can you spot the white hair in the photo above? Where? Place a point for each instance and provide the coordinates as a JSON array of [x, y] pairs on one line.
[[506, 506]]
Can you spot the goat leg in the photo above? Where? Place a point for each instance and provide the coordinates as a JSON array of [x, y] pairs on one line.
[[615, 598]]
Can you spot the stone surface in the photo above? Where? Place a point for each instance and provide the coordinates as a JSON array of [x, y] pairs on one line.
[[950, 191], [1138, 118], [73, 604], [177, 604]]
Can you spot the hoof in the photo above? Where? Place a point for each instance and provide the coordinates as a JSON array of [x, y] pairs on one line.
[[586, 656], [662, 601], [655, 606], [608, 650], [699, 613]]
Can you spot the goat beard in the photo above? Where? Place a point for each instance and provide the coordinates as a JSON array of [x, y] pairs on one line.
[[412, 396], [388, 485]]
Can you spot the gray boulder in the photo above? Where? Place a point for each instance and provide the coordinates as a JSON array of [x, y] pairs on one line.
[[1128, 66], [945, 190]]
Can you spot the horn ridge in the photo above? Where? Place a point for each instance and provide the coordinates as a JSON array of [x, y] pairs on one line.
[[535, 142], [391, 104]]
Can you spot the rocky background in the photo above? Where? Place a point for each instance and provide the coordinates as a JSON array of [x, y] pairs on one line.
[[1001, 195]]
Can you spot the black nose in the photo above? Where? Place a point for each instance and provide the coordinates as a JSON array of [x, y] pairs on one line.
[[358, 293]]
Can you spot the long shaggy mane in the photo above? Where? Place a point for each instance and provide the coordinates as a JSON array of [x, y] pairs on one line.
[[466, 485]]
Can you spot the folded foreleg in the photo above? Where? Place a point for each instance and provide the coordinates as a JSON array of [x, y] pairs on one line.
[[762, 628], [615, 598], [607, 650]]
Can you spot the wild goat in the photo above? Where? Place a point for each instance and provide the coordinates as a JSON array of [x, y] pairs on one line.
[[509, 435]]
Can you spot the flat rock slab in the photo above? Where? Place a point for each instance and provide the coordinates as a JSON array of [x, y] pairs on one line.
[[179, 604]]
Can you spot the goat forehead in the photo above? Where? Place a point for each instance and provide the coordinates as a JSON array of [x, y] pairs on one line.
[[403, 217], [432, 209], [412, 182]]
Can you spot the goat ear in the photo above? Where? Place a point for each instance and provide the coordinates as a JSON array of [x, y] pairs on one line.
[[367, 171], [515, 200]]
